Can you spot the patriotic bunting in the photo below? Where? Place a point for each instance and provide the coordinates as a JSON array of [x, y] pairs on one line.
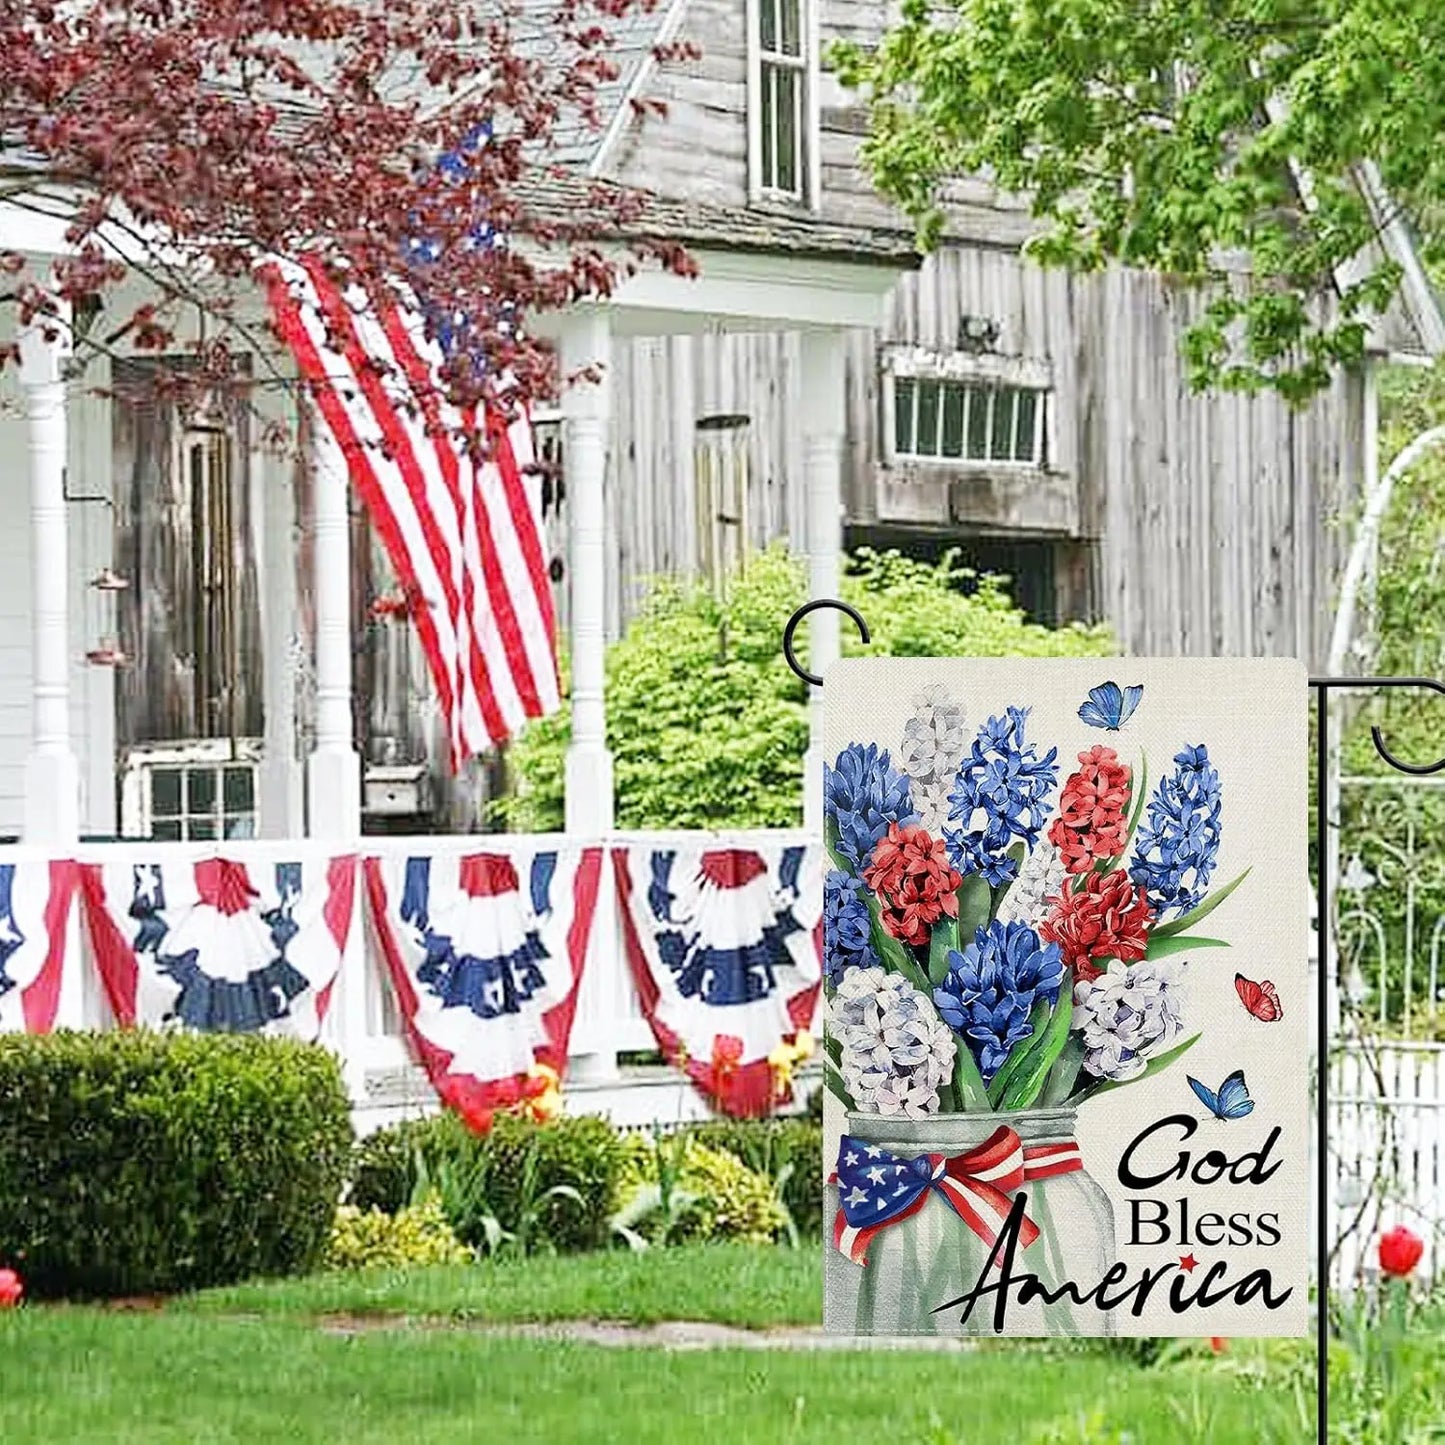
[[725, 945], [486, 951], [219, 945], [35, 897]]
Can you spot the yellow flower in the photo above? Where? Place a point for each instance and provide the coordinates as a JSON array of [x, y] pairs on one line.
[[542, 1096], [784, 1057]]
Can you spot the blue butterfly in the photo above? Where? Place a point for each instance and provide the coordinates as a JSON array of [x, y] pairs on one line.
[[1231, 1102], [1111, 706]]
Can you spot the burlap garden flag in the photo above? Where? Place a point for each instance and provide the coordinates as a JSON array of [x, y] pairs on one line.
[[1066, 932]]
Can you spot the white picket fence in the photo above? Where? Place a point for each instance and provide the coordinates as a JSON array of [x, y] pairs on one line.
[[1386, 1134], [1387, 1143]]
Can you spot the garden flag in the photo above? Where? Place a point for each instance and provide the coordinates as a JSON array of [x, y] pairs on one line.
[[246, 941], [35, 899], [485, 950], [464, 536], [724, 944], [1065, 954]]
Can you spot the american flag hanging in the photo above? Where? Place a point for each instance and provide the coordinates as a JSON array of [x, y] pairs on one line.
[[464, 537]]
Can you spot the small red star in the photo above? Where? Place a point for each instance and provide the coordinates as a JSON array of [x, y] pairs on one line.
[[1187, 1263]]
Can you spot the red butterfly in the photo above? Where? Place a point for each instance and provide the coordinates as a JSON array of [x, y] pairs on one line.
[[1261, 999]]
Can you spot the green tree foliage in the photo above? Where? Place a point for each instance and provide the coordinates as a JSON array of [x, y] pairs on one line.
[[1183, 137], [1408, 632], [707, 724]]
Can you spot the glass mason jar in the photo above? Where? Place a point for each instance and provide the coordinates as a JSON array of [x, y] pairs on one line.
[[932, 1257]]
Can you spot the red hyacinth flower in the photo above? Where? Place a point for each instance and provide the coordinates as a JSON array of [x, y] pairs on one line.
[[1091, 823], [10, 1289], [915, 883], [1106, 917], [1401, 1250]]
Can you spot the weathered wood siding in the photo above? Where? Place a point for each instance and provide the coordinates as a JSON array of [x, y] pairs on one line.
[[155, 536], [701, 149], [1204, 521]]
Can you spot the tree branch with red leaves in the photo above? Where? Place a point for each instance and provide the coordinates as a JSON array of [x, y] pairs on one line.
[[184, 141]]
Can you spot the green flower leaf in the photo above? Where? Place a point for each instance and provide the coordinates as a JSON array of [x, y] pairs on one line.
[[1065, 1072], [942, 941], [1154, 1066], [1180, 943], [833, 1082], [974, 906], [1038, 1023], [969, 1092], [1188, 920], [1033, 1073]]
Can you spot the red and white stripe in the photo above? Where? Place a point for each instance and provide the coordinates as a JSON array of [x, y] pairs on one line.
[[464, 537]]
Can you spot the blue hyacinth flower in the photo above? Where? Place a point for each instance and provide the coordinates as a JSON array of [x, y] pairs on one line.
[[1178, 843], [999, 797], [847, 938], [991, 989], [862, 795]]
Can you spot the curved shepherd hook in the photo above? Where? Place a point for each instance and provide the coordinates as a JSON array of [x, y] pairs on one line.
[[1419, 770], [813, 606]]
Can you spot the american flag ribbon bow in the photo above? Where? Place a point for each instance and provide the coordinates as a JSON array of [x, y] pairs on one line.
[[877, 1189]]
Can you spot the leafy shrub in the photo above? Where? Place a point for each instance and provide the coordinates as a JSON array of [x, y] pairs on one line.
[[707, 723], [522, 1175], [383, 1166], [135, 1162], [787, 1151], [371, 1239], [722, 1197]]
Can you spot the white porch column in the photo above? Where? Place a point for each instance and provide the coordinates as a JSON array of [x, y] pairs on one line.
[[52, 776], [585, 342], [333, 771], [586, 419], [823, 427]]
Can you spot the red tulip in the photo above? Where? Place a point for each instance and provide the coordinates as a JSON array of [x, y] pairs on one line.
[[1218, 1344], [1400, 1251], [10, 1289]]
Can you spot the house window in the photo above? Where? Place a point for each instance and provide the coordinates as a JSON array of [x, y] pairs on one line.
[[962, 409], [967, 421], [783, 86], [197, 792]]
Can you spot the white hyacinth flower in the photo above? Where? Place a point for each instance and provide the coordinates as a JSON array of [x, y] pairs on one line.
[[1126, 1016], [931, 753], [1041, 877], [894, 1050]]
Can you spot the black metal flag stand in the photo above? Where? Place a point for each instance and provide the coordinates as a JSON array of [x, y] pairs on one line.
[[1322, 687]]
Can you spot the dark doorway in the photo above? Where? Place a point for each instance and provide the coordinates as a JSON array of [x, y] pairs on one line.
[[1029, 563]]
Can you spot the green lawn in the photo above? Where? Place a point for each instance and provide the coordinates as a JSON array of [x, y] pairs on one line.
[[199, 1371], [728, 1284]]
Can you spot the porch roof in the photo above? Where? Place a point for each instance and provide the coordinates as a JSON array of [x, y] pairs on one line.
[[711, 226]]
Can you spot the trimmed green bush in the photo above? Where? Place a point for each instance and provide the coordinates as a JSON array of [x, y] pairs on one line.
[[768, 1146], [418, 1234], [522, 1161], [138, 1162]]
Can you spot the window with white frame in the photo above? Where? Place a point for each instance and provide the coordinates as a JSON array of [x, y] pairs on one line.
[[963, 410], [201, 791], [782, 91]]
